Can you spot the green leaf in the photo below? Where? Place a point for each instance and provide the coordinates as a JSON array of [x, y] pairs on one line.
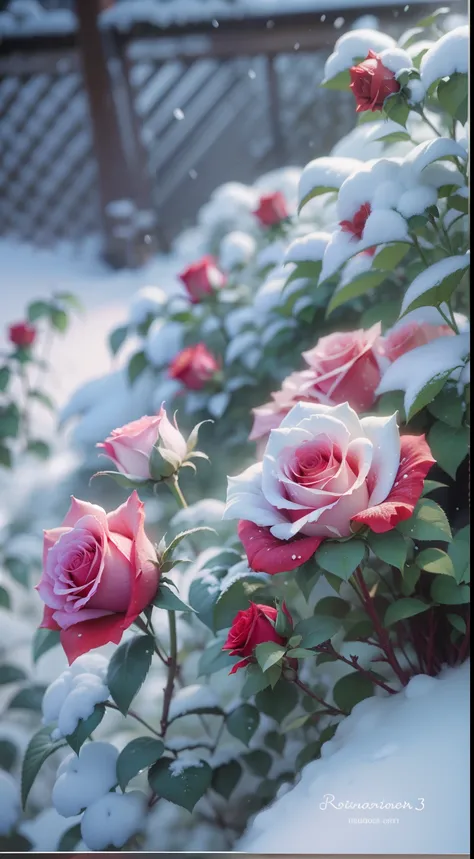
[[8, 755], [44, 640], [37, 310], [275, 741], [268, 654], [427, 523], [42, 398], [316, 630], [59, 319], [38, 751], [359, 286], [403, 609], [340, 558], [395, 137], [5, 457], [428, 20], [30, 698], [459, 554], [11, 674], [215, 659], [18, 569], [258, 761], [128, 669], [128, 481], [435, 561], [453, 96], [342, 80], [85, 728], [440, 292], [5, 601], [457, 622], [458, 202], [182, 535], [4, 378], [14, 843], [410, 576], [70, 839], [137, 364], [39, 448], [279, 702], [168, 600], [225, 778], [430, 486], [301, 653], [117, 338], [449, 446], [237, 597], [307, 754], [9, 421], [390, 547], [350, 689], [333, 606], [137, 756], [396, 108], [306, 577], [390, 256], [446, 591], [183, 787], [306, 270], [428, 392], [243, 722], [70, 299]]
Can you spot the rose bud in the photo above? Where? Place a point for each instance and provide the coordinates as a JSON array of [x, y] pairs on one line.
[[272, 209], [150, 448], [22, 334], [371, 83], [202, 278], [255, 625], [194, 367], [99, 573]]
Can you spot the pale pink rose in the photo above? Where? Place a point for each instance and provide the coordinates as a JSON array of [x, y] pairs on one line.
[[404, 338], [99, 574], [130, 446], [324, 473]]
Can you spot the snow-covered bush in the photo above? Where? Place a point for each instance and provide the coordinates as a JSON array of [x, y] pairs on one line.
[[235, 656]]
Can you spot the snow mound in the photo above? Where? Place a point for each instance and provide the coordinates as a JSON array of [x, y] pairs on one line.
[[9, 803], [75, 693], [446, 57], [192, 698], [381, 784], [83, 779], [355, 45], [113, 819]]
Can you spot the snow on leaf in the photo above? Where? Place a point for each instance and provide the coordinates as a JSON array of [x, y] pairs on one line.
[[309, 248], [435, 284], [191, 699], [448, 55], [323, 175], [353, 46], [382, 227], [432, 150]]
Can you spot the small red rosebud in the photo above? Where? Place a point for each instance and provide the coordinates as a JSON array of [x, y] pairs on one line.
[[255, 625], [372, 83], [22, 334], [194, 367], [357, 225], [202, 278], [272, 209]]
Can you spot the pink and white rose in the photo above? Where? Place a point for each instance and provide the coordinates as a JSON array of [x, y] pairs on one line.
[[99, 574], [403, 338], [130, 447], [325, 472]]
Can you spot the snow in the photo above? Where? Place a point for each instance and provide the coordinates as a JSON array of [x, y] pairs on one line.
[[183, 763], [382, 227], [403, 749], [396, 60], [164, 341], [190, 698], [83, 779], [329, 173], [448, 55], [148, 301], [29, 18], [113, 819], [415, 369], [75, 693], [432, 277], [46, 830], [353, 46], [310, 248], [10, 807], [237, 248]]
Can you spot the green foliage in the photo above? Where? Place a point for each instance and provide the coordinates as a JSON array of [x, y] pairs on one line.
[[453, 96], [137, 364], [243, 722], [39, 749], [340, 558], [182, 786], [279, 702], [237, 597], [137, 756], [168, 600], [85, 728], [117, 338], [350, 689], [44, 640], [435, 561], [70, 839], [128, 669], [427, 523], [8, 755], [225, 778], [403, 609], [391, 547], [316, 630], [449, 446], [446, 591]]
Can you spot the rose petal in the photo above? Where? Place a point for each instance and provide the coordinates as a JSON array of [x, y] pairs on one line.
[[267, 554], [79, 509], [82, 637], [415, 463], [385, 437]]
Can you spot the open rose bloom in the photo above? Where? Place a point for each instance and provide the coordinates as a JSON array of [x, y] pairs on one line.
[[372, 83], [250, 627], [324, 474], [98, 574]]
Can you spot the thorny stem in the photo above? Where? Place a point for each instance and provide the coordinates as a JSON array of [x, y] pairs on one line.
[[380, 630], [172, 671], [134, 716], [353, 662], [334, 711]]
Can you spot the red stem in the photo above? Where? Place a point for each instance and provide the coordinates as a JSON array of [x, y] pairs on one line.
[[334, 711], [465, 642], [381, 632]]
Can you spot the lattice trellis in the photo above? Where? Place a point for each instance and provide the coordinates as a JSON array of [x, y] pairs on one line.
[[48, 173]]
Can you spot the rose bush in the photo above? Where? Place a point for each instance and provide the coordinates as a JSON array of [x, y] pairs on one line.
[[99, 573], [254, 626]]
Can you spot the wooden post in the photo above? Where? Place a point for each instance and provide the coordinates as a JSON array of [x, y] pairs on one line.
[[115, 181]]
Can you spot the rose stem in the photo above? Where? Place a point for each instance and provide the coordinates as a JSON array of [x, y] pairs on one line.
[[173, 484], [172, 671], [334, 711], [381, 632], [354, 663], [465, 643], [134, 716]]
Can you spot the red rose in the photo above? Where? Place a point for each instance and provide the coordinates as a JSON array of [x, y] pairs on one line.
[[194, 367], [371, 83], [271, 209], [202, 278], [253, 626], [22, 334], [357, 225]]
